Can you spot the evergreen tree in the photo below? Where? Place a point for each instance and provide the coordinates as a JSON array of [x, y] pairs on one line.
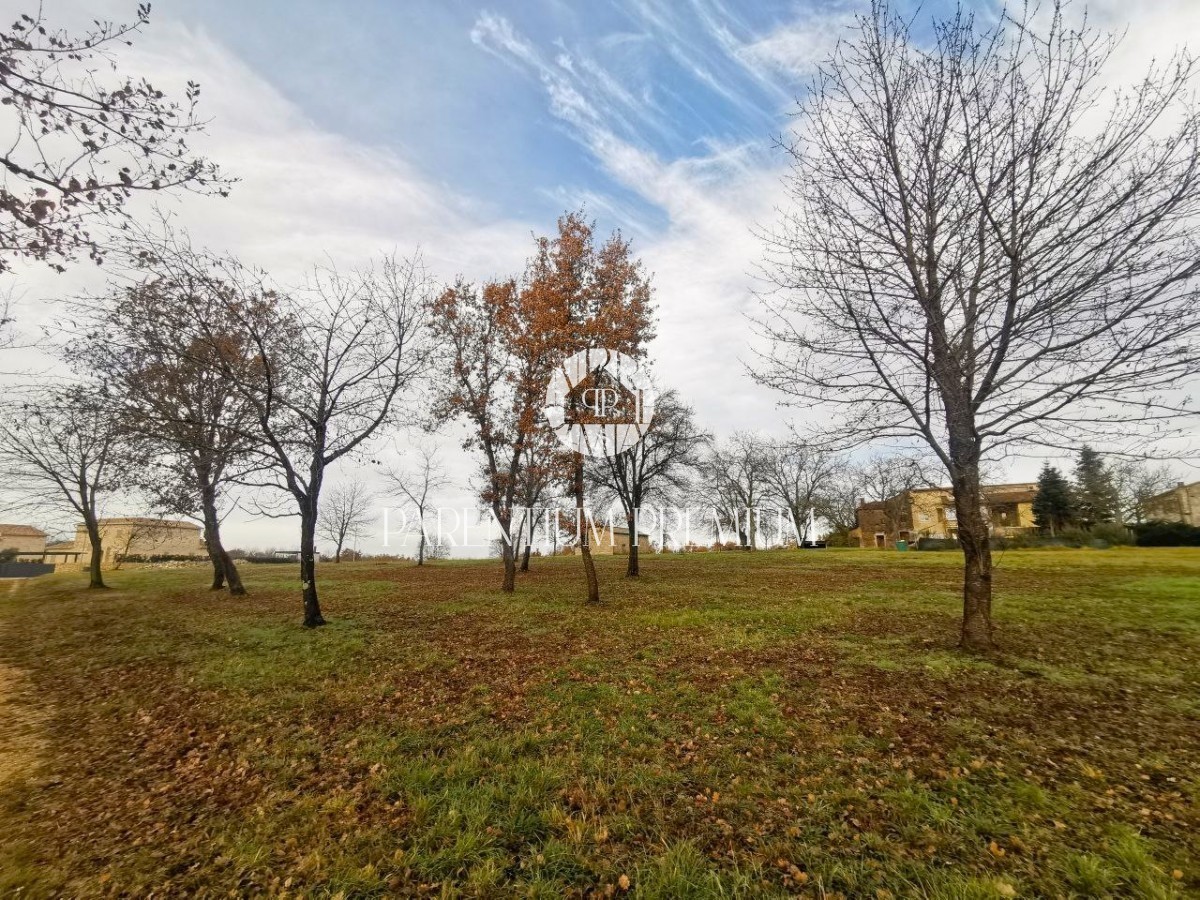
[[1053, 509], [1096, 496]]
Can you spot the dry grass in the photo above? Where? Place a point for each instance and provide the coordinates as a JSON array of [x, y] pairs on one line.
[[728, 725]]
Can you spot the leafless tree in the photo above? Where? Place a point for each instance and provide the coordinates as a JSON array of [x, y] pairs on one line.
[[330, 368], [987, 248], [355, 348], [79, 145], [887, 479], [796, 473], [883, 478], [838, 499], [145, 532], [63, 449], [344, 516], [416, 488], [659, 468], [1136, 482], [733, 482], [7, 336]]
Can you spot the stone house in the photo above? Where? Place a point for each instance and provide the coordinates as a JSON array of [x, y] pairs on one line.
[[136, 536], [1180, 504], [29, 542], [929, 512], [614, 541]]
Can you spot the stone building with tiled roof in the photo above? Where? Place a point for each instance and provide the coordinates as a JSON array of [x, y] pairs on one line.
[[28, 541], [929, 512]]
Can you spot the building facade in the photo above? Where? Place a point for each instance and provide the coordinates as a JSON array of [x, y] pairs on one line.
[[930, 512], [135, 536], [29, 542], [1180, 504], [614, 541]]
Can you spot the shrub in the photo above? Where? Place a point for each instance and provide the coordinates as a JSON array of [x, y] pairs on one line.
[[932, 543], [837, 539], [8, 554], [159, 558], [1112, 533], [1022, 540], [1069, 537], [1167, 534]]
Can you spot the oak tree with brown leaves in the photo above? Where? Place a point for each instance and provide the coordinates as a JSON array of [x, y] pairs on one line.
[[587, 295], [164, 379], [495, 376]]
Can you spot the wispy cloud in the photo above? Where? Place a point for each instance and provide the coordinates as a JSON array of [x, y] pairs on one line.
[[798, 48]]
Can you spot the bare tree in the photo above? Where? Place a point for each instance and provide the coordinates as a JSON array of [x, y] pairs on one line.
[[987, 248], [734, 483], [63, 449], [344, 517], [136, 532], [416, 487], [539, 485], [887, 480], [838, 498], [658, 468], [796, 473], [331, 370], [7, 335], [78, 146], [1136, 482]]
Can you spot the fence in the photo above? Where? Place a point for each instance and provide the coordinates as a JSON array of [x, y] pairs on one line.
[[25, 569]]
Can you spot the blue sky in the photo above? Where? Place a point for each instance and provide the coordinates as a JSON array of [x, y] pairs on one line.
[[457, 88]]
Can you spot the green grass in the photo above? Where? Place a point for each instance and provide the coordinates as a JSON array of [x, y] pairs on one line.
[[729, 725]]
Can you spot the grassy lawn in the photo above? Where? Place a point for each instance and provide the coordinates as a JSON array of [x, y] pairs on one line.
[[730, 725]]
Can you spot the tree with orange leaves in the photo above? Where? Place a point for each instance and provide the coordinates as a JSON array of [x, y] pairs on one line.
[[582, 296], [503, 339], [496, 380]]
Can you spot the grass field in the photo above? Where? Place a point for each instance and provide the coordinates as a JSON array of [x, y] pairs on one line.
[[729, 725]]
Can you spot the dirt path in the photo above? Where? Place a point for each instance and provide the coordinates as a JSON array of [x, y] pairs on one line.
[[22, 741]]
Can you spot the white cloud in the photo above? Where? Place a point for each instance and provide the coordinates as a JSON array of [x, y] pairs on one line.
[[798, 48], [306, 196]]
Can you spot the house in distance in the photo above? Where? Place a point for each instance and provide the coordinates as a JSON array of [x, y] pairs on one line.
[[1180, 504], [122, 538], [930, 513], [28, 541]]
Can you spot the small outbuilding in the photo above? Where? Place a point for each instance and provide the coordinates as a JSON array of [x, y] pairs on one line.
[[613, 540]]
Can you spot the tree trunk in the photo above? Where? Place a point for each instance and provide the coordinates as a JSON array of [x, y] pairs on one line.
[[224, 570], [233, 578], [510, 566], [95, 578], [508, 551], [977, 558], [218, 582], [631, 568], [308, 569], [421, 542], [526, 539], [337, 554], [585, 550]]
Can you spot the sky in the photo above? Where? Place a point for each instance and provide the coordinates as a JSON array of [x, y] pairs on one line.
[[462, 129]]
